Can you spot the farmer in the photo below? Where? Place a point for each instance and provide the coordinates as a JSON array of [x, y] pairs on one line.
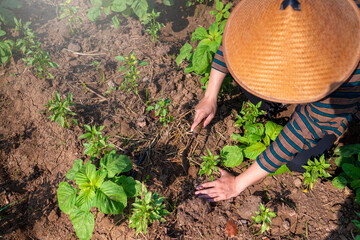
[[305, 52]]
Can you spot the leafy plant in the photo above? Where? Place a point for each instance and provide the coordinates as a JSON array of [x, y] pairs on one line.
[[153, 27], [71, 12], [162, 111], [221, 12], [60, 110], [208, 166], [256, 137], [105, 189], [191, 2], [357, 224], [349, 161], [125, 7], [96, 144], [200, 58], [314, 170], [6, 11], [248, 113], [132, 74], [6, 47], [264, 218], [147, 208], [35, 56], [96, 64]]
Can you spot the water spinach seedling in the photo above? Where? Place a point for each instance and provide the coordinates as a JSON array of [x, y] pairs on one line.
[[130, 64], [147, 208], [96, 144], [152, 26], [249, 113], [221, 12], [314, 170], [96, 64], [264, 218], [61, 112], [209, 165], [162, 111], [70, 12], [105, 189]]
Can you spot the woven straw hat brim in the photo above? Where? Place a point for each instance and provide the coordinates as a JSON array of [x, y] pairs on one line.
[[292, 56]]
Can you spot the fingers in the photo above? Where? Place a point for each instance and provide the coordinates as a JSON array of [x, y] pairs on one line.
[[208, 119], [206, 185], [197, 120], [222, 172]]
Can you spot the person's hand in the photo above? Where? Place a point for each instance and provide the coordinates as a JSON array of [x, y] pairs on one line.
[[225, 187], [205, 109]]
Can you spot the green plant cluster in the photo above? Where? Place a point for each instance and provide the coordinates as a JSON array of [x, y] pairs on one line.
[[209, 165], [152, 25], [60, 110], [349, 161], [35, 57], [105, 189], [192, 2], [131, 63], [70, 12], [249, 113], [264, 218], [6, 47], [147, 208], [96, 144], [314, 170], [357, 225], [162, 111], [209, 40]]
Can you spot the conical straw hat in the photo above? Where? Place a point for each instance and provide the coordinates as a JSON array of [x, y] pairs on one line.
[[292, 55]]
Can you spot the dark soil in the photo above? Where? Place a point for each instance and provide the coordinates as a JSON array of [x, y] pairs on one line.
[[35, 154]]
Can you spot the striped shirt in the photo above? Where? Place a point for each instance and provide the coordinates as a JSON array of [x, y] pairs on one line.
[[310, 122]]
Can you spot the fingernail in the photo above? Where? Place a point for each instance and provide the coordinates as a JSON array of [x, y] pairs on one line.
[[196, 193], [198, 187]]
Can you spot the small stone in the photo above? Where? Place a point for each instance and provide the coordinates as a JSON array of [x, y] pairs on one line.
[[74, 47], [297, 183], [286, 224], [243, 221]]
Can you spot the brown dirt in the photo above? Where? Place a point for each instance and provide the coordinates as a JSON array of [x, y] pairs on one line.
[[35, 153]]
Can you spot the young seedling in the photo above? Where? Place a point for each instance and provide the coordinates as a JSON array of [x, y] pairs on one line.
[[152, 26], [221, 12], [103, 188], [71, 12], [147, 208], [132, 74], [96, 144], [314, 170], [96, 64], [191, 2], [208, 166], [264, 218], [248, 113], [162, 111], [357, 225], [60, 110], [37, 58]]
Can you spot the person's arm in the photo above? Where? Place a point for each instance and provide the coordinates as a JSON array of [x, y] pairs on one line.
[[206, 108]]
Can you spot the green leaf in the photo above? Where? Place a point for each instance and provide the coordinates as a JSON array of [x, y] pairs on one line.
[[357, 197], [355, 184], [188, 4], [86, 199], [185, 51], [83, 223], [140, 8], [168, 2], [66, 195], [272, 130], [143, 63], [254, 128], [254, 150], [231, 156], [281, 170], [339, 161], [115, 164], [199, 34], [201, 59], [118, 6], [70, 175], [83, 178], [128, 183], [115, 21], [351, 170], [94, 13], [219, 5], [111, 198], [120, 58], [347, 150]]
